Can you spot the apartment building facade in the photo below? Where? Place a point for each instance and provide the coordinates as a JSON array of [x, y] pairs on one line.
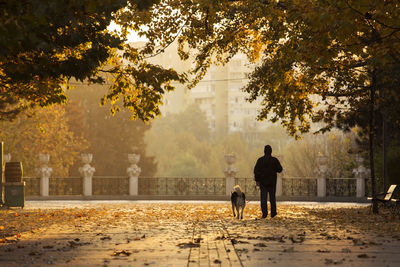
[[218, 94]]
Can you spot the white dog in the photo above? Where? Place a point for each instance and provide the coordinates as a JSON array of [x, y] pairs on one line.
[[238, 200]]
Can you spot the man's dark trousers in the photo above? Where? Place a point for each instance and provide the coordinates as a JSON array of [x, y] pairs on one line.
[[270, 190]]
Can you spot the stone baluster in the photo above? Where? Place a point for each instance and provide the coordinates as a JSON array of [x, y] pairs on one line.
[[279, 185], [44, 174], [230, 173], [87, 172], [321, 175], [133, 172], [360, 173]]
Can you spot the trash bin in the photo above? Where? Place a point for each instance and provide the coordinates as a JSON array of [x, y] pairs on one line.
[[14, 194]]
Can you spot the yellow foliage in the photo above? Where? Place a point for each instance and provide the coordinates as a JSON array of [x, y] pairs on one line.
[[42, 131]]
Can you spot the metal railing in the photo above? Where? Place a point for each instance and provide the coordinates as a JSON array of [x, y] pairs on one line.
[[32, 186], [341, 187], [248, 186], [65, 186], [182, 186], [305, 187], [299, 186], [110, 185]]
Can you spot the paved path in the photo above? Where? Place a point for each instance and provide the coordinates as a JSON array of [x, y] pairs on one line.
[[198, 234]]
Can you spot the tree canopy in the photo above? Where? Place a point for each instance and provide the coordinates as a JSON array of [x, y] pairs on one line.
[[318, 60], [45, 43]]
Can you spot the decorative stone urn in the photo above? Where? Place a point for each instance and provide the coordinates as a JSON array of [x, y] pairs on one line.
[[322, 162], [133, 172], [44, 174], [44, 158], [7, 157], [86, 158], [87, 172], [230, 173], [360, 171], [230, 170], [133, 158]]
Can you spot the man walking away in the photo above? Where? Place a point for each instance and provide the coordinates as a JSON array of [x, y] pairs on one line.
[[265, 176]]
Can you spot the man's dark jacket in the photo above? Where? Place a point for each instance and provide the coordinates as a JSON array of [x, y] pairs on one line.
[[266, 169]]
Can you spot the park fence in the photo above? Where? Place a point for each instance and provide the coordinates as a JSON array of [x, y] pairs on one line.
[[201, 188], [134, 186]]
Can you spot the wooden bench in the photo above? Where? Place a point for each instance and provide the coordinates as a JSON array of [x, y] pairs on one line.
[[385, 198]]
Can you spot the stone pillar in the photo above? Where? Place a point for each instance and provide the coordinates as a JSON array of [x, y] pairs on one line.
[[360, 173], [44, 174], [230, 173], [279, 186], [6, 158], [87, 172], [133, 173], [360, 187], [321, 187], [321, 175]]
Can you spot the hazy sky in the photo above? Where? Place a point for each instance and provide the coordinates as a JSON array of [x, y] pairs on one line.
[[132, 37]]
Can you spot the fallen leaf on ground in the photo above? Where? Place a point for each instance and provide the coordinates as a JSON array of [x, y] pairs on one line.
[[121, 253]]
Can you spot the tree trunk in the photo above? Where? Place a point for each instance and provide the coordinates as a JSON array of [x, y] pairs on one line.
[[371, 141], [384, 133], [1, 173]]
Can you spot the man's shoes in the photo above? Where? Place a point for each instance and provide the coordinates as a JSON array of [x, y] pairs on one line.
[[273, 215], [264, 216]]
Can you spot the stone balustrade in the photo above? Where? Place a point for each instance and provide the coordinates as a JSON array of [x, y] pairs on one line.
[[318, 186]]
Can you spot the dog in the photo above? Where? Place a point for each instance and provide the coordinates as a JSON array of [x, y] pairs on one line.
[[238, 199]]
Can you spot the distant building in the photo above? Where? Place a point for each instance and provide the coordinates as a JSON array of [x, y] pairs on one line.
[[218, 95]]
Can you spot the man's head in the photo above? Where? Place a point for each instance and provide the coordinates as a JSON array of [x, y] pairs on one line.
[[268, 150]]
